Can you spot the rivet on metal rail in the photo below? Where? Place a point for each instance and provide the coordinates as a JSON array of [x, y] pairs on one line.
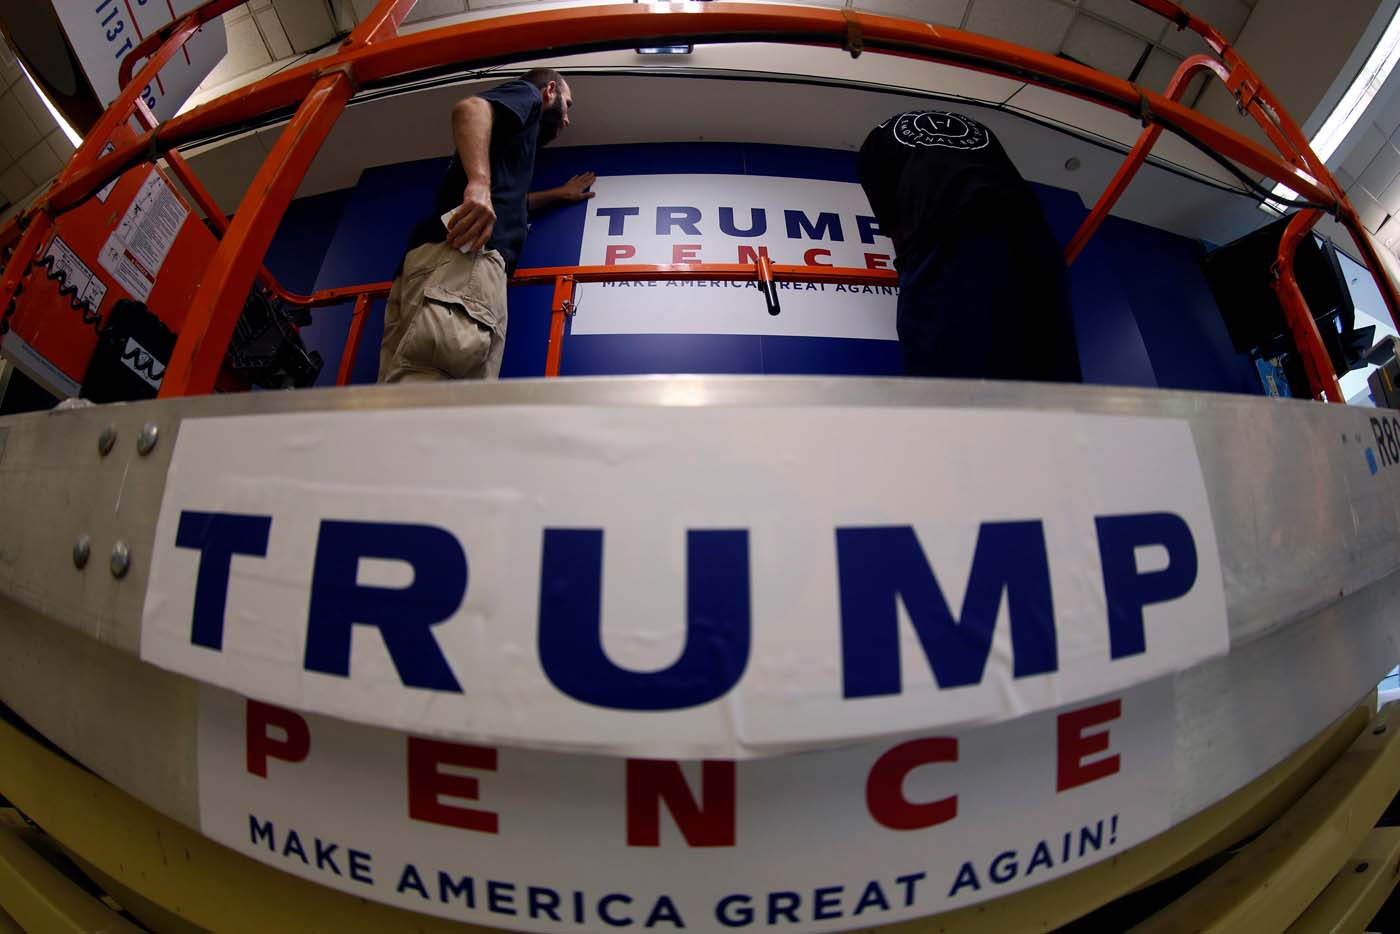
[[106, 440], [146, 441], [82, 550], [121, 560]]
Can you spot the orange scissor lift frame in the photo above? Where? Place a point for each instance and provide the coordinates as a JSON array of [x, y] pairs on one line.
[[317, 92]]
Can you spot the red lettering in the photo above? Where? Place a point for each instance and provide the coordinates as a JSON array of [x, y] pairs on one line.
[[652, 781], [261, 746], [617, 251], [884, 788], [426, 784], [685, 253], [1074, 745], [747, 254], [810, 257], [877, 261]]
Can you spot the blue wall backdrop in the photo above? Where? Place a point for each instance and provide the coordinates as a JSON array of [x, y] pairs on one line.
[[1144, 315]]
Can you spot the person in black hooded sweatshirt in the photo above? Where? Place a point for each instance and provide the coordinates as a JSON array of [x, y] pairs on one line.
[[984, 290]]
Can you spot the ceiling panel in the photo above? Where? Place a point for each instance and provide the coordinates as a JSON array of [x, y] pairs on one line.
[[1104, 47], [945, 12], [1128, 14], [1037, 24]]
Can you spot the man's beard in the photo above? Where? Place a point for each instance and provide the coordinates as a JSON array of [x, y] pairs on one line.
[[551, 121]]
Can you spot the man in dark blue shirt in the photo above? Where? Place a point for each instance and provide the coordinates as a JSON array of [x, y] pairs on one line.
[[446, 313], [983, 289]]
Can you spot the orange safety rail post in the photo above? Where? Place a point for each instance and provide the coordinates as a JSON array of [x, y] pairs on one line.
[[1126, 172], [764, 273], [561, 306], [1322, 380], [203, 341], [1255, 99], [352, 340]]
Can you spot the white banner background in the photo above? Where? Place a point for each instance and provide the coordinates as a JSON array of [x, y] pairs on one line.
[[724, 307], [801, 824], [99, 31], [495, 477]]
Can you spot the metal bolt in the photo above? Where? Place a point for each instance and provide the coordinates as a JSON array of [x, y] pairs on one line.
[[106, 440], [1073, 163], [1378, 730], [1362, 866], [146, 440], [121, 559], [82, 550]]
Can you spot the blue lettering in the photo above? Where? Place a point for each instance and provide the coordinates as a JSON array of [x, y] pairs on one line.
[[410, 879], [1095, 838], [827, 224], [543, 901], [909, 882], [447, 888], [606, 901], [873, 896], [500, 897], [292, 845], [827, 903], [880, 566], [758, 223], [217, 536], [967, 877], [403, 616], [1003, 868], [734, 911], [670, 217], [260, 831], [324, 856], [359, 866], [1126, 590], [717, 623], [1041, 857], [868, 227], [783, 904], [664, 910], [617, 217]]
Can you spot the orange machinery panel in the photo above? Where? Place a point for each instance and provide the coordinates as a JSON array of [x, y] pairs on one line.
[[137, 239]]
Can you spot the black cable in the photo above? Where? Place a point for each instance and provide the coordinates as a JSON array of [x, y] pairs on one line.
[[1265, 195]]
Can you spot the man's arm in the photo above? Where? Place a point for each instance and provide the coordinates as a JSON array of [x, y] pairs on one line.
[[575, 189], [471, 130]]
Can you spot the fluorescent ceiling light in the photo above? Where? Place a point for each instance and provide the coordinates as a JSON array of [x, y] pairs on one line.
[[1354, 102], [68, 131], [664, 50]]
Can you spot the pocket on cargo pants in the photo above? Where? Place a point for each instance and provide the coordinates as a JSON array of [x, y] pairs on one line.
[[459, 328]]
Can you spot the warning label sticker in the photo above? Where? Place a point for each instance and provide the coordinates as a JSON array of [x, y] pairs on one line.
[[72, 273], [136, 250]]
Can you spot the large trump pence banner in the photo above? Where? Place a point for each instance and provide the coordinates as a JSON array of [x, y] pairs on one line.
[[663, 219]]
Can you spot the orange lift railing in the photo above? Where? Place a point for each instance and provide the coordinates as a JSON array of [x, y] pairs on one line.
[[374, 54]]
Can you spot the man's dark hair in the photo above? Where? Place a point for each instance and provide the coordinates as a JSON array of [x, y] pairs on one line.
[[539, 77]]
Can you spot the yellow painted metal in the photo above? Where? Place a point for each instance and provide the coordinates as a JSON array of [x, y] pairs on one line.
[[144, 852], [1359, 889], [173, 866], [1269, 883], [36, 896]]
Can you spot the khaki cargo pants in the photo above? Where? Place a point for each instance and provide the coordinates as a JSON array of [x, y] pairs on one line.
[[445, 317]]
